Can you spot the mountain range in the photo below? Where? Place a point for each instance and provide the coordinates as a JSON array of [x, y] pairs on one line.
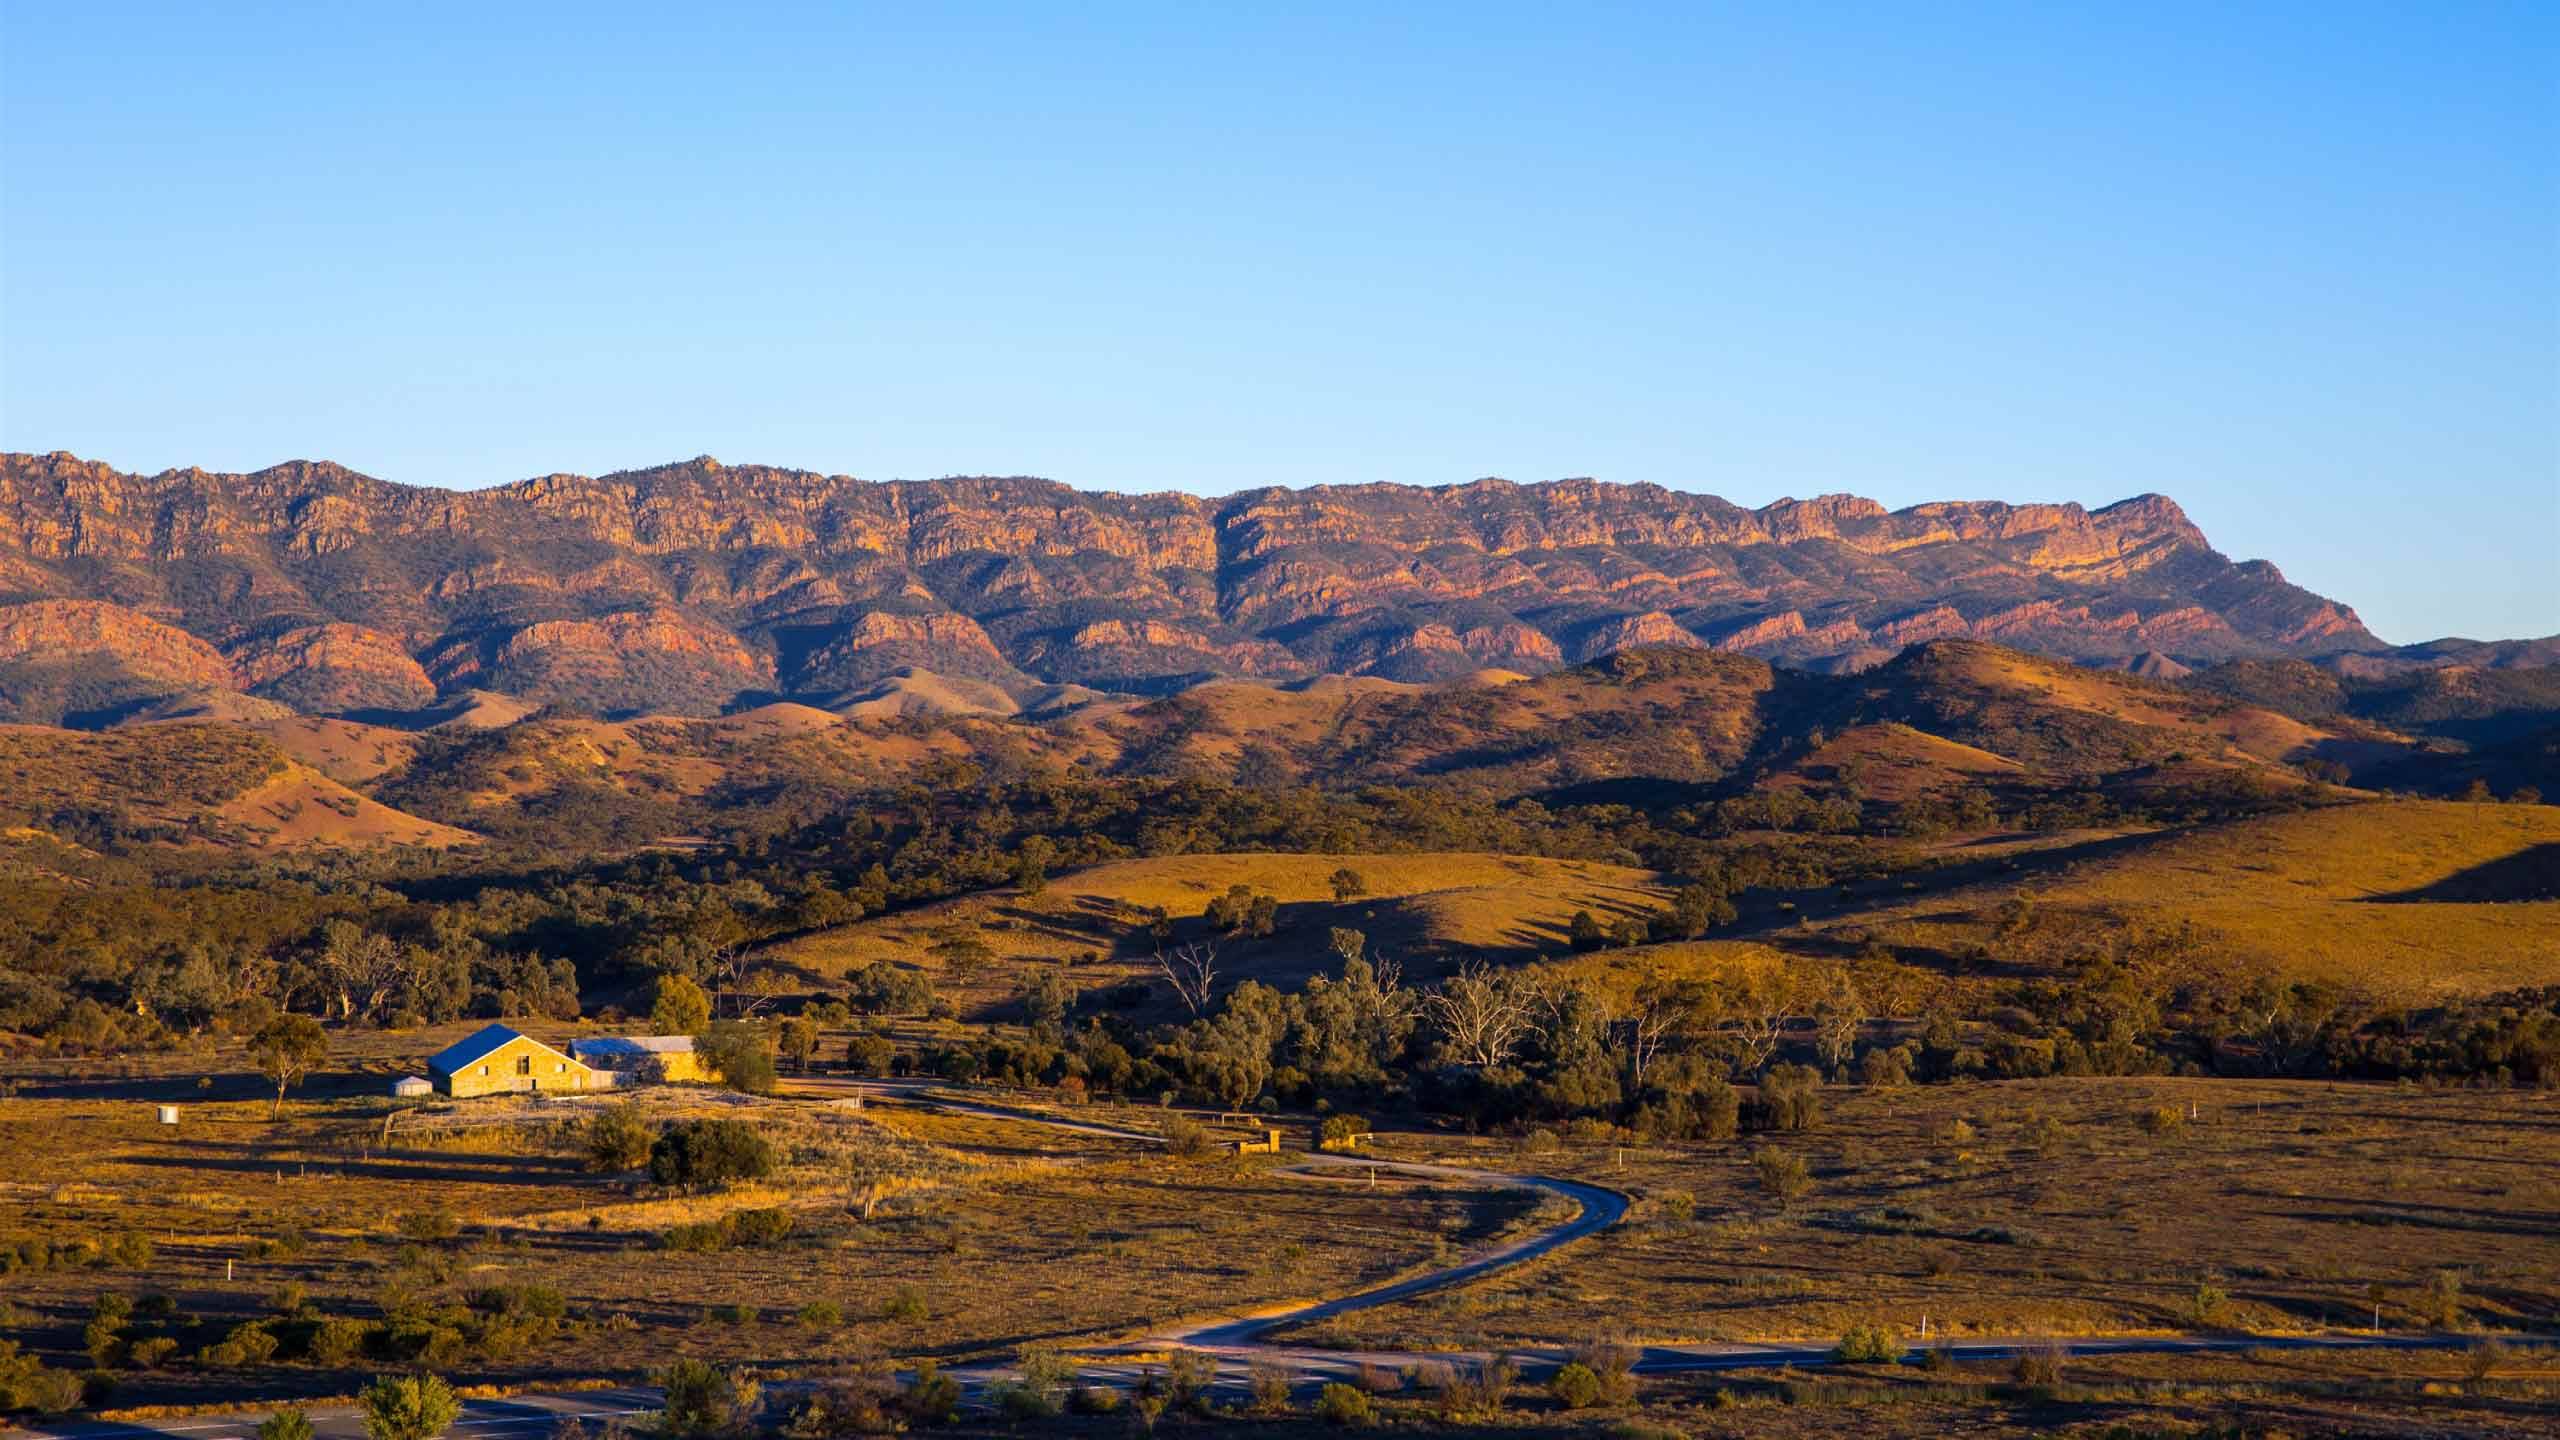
[[698, 587]]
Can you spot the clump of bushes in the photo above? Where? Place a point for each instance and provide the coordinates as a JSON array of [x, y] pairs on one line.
[[1866, 1344], [760, 1228], [710, 1152], [27, 1383], [1574, 1386], [618, 1139], [2039, 1367], [1188, 1139], [120, 1251], [429, 1225], [1784, 1176], [905, 1305], [1342, 1405], [335, 1342], [704, 1400]]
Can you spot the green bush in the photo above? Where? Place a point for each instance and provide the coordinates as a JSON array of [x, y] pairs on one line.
[[1869, 1345], [710, 1152], [767, 1226], [617, 1139], [1268, 1384], [905, 1305], [408, 1407], [1793, 1095], [1574, 1386], [740, 1055], [431, 1224], [932, 1398], [2039, 1366], [1016, 1401], [1188, 1139], [1784, 1176], [700, 1236], [1340, 1404], [1614, 1366], [286, 1424], [704, 1400], [2209, 1306], [27, 1383]]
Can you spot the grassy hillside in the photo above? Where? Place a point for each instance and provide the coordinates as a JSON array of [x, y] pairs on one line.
[[1421, 908], [2416, 898], [191, 783]]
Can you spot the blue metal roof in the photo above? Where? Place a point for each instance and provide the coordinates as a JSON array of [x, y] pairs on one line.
[[471, 1050]]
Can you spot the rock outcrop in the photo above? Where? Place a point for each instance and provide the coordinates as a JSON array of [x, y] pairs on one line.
[[688, 585]]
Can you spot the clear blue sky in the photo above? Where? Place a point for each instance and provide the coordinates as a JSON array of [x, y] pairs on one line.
[[2296, 265]]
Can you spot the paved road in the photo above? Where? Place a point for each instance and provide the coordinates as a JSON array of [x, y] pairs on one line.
[[1236, 1343]]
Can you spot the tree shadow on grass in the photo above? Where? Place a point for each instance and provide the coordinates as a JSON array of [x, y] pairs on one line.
[[2532, 873]]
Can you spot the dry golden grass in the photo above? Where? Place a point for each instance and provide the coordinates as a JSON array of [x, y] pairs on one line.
[[1417, 905], [2341, 893], [346, 751], [1897, 764], [2293, 1197], [996, 1234], [298, 807]]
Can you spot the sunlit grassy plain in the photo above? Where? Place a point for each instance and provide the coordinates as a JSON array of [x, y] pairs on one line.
[[2047, 1206], [982, 1237]]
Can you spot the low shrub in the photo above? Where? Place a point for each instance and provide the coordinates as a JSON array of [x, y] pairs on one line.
[[335, 1342], [1574, 1386], [1268, 1384], [1342, 1405], [1613, 1365], [1868, 1345], [905, 1305], [429, 1225], [1188, 1139], [710, 1152], [2039, 1367]]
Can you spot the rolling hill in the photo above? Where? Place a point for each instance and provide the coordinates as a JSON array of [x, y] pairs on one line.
[[2413, 899], [1422, 909]]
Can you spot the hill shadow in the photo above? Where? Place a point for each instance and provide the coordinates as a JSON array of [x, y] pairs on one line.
[[2532, 873]]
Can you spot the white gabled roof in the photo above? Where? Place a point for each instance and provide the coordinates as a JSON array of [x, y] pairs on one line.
[[479, 1045]]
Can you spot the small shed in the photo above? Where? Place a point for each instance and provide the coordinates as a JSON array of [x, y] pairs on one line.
[[409, 1087], [633, 1059]]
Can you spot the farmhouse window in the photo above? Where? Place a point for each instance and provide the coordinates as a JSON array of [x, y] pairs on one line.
[[484, 1069], [524, 1064]]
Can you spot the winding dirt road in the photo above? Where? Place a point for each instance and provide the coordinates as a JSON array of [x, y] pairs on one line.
[[1236, 1343]]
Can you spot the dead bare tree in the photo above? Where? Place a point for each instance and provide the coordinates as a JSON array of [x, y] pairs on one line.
[[1663, 1011], [1191, 968], [1759, 1010], [1838, 1014], [360, 968], [1481, 1014], [1395, 1006], [1651, 1022]]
